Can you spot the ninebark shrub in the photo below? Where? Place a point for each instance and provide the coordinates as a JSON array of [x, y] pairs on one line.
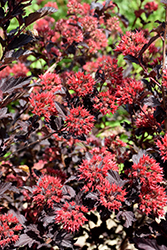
[[62, 86]]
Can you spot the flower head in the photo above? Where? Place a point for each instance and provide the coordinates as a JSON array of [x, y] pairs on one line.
[[94, 171], [82, 84], [71, 216], [9, 228], [152, 195], [79, 121], [162, 145], [47, 191]]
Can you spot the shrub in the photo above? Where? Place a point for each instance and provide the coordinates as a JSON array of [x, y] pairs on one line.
[[63, 86]]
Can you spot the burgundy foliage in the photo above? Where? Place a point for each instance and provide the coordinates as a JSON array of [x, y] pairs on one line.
[[62, 166]]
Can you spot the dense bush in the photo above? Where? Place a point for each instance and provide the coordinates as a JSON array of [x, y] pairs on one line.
[[65, 173]]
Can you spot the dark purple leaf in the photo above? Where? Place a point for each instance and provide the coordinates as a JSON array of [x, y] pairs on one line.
[[4, 187], [131, 59], [39, 14], [145, 47], [68, 191], [48, 219], [91, 196], [148, 244], [136, 157], [151, 101], [20, 41], [24, 240], [128, 216], [67, 243], [124, 20], [114, 177], [1, 13], [72, 178], [3, 112], [21, 53], [19, 216], [8, 86], [60, 109]]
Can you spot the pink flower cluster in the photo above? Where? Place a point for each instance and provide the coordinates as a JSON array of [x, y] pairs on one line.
[[9, 228], [17, 70], [131, 43]]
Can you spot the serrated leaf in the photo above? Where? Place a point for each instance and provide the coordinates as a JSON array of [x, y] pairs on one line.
[[24, 240], [60, 109], [4, 187], [114, 177], [20, 41], [131, 59], [67, 190], [7, 86], [136, 157], [39, 14], [148, 244], [151, 101], [128, 216]]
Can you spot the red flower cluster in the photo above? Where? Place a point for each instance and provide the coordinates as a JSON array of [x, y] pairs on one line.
[[146, 118], [151, 6], [131, 43], [9, 228], [113, 24], [152, 195], [43, 27], [51, 4], [164, 78], [95, 170], [43, 98], [74, 7], [79, 121], [17, 70], [129, 92], [82, 84], [94, 173], [162, 145], [105, 101], [81, 27], [47, 191], [109, 66], [71, 216], [111, 195]]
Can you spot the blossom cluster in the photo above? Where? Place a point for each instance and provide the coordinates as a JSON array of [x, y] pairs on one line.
[[17, 70], [9, 229], [94, 172], [71, 216], [162, 145], [79, 121], [152, 194], [43, 98], [47, 191]]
